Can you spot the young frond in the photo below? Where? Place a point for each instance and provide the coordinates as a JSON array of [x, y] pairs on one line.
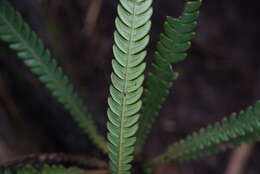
[[131, 37], [243, 127], [30, 49], [171, 48]]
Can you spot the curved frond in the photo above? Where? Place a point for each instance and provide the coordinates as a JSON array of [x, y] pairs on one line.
[[30, 49], [171, 48], [243, 127], [131, 38]]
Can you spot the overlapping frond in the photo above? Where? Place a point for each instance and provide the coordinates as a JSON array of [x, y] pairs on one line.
[[131, 38], [61, 170], [243, 127], [44, 170], [171, 48], [30, 49]]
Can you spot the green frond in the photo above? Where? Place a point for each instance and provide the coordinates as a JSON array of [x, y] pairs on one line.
[[131, 37], [45, 170], [171, 48], [60, 170], [5, 171], [243, 127], [30, 49], [23, 170]]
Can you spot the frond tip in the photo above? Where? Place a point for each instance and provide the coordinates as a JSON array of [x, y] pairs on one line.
[[30, 49], [131, 38], [243, 127]]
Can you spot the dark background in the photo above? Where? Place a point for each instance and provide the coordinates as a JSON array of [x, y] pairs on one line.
[[221, 75]]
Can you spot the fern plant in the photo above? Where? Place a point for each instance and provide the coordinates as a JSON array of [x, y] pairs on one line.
[[132, 106]]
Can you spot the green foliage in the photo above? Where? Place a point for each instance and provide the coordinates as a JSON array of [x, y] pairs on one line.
[[131, 37], [171, 48], [30, 49], [45, 170], [60, 170], [243, 127]]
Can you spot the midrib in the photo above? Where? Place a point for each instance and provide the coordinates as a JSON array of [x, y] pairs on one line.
[[125, 89]]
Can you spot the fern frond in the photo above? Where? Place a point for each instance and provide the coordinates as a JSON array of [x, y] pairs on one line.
[[171, 48], [243, 127], [247, 138], [131, 38], [30, 49], [60, 170]]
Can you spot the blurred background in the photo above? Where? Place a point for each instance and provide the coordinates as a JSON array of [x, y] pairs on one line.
[[221, 75]]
